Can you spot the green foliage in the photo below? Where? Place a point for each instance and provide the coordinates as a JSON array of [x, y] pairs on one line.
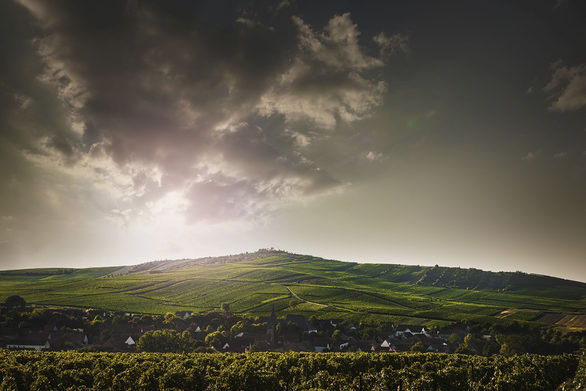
[[216, 339], [14, 301], [418, 347], [166, 341], [288, 371]]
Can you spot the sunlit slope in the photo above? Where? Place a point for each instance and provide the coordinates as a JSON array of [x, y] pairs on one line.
[[253, 283]]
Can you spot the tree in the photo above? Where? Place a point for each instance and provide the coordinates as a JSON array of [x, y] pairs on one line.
[[164, 341], [454, 339], [238, 327], [338, 337], [119, 320], [418, 347], [15, 301], [216, 339]]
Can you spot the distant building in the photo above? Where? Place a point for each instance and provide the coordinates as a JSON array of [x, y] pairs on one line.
[[183, 314], [29, 344]]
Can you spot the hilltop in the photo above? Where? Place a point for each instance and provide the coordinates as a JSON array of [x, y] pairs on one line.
[[253, 283]]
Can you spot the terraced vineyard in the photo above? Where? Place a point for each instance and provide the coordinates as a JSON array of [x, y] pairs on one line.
[[255, 282]]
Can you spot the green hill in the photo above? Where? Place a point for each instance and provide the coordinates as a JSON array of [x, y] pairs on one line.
[[255, 282]]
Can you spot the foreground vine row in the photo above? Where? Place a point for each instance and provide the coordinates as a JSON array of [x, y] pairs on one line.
[[288, 371]]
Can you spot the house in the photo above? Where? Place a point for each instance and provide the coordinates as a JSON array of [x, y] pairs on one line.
[[295, 347], [67, 339], [363, 346], [117, 343], [335, 322], [385, 344], [257, 339], [226, 346], [183, 314], [404, 333], [50, 327], [33, 341], [29, 344]]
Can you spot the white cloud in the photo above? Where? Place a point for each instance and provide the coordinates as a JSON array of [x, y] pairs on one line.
[[374, 156], [568, 85]]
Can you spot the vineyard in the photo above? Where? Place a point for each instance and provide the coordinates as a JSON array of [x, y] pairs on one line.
[[288, 371], [254, 283]]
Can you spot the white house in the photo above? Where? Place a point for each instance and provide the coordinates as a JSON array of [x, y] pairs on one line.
[[129, 341], [29, 345], [385, 344], [403, 333]]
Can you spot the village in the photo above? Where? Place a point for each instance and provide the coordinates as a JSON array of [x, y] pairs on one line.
[[183, 331]]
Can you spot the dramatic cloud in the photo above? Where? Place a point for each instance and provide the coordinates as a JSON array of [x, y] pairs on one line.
[[569, 87], [325, 82], [133, 130], [170, 101]]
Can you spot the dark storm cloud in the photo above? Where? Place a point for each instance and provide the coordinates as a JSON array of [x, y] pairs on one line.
[[326, 81], [160, 90]]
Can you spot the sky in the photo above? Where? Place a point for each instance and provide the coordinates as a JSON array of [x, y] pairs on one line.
[[420, 132]]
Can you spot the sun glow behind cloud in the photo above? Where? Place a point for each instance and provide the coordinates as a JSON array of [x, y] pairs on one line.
[[142, 130]]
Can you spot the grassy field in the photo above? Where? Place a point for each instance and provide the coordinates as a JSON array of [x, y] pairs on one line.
[[253, 283]]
